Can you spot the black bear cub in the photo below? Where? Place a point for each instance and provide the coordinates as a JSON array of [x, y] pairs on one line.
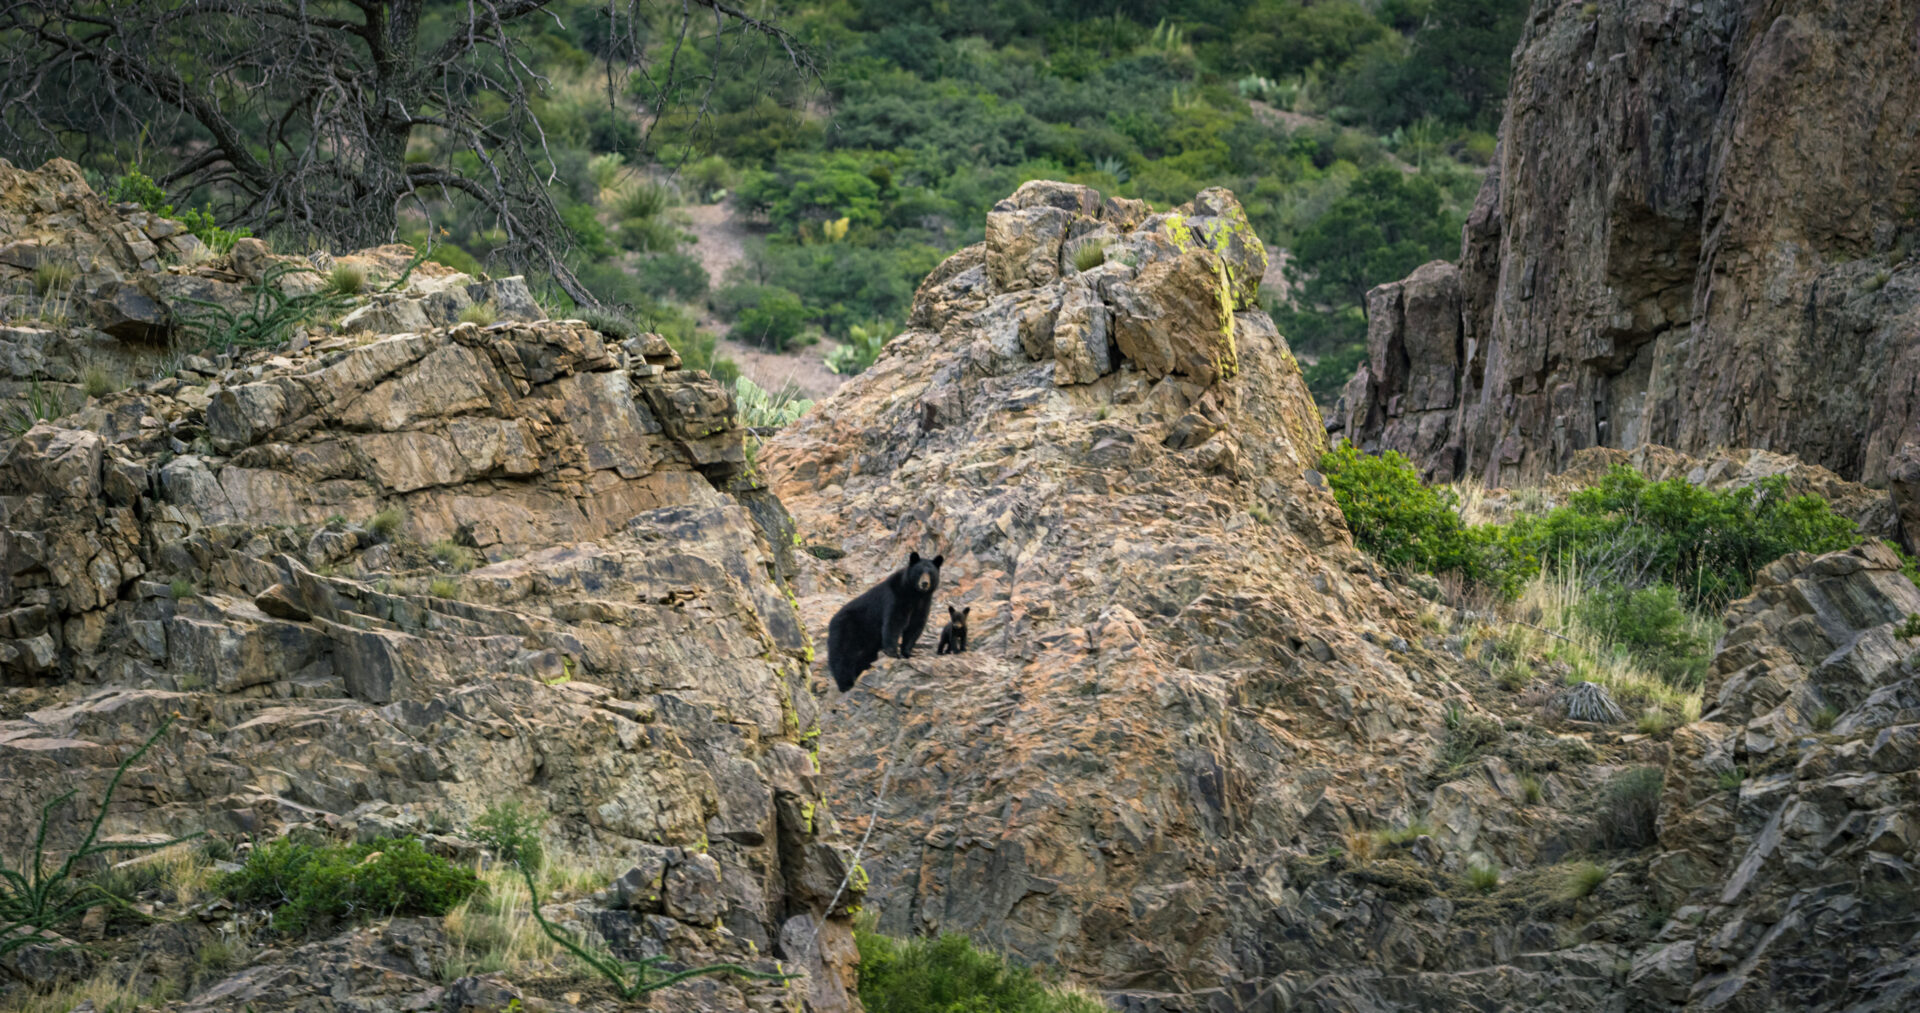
[[953, 639], [889, 616]]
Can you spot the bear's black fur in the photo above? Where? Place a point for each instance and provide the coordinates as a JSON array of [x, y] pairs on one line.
[[953, 639], [889, 616]]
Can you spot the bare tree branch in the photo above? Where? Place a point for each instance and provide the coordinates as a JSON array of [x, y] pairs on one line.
[[314, 115]]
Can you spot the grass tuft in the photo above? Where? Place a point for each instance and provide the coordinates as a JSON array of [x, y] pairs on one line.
[[345, 279], [97, 382], [1483, 876], [1582, 879], [456, 557], [387, 523], [51, 277], [482, 313]]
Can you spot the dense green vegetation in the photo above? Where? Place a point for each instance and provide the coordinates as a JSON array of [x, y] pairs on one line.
[[1627, 575], [1352, 130], [1627, 533], [950, 975], [312, 886]]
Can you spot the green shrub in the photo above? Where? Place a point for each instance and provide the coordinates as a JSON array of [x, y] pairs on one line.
[[710, 177], [313, 887], [512, 833], [1658, 549], [444, 587], [1530, 793], [1653, 625], [1483, 876], [1089, 255], [1629, 805], [763, 315], [1630, 531], [671, 275], [481, 313], [1731, 779], [134, 186], [180, 588], [951, 975], [1824, 718]]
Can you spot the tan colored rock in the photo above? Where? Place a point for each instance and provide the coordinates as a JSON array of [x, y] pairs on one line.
[[1023, 246], [1175, 318]]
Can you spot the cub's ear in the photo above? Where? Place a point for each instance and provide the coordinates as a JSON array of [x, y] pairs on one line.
[[913, 558], [965, 612], [937, 560], [953, 613]]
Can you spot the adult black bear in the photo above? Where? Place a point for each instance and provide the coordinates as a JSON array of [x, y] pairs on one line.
[[953, 639], [889, 616]]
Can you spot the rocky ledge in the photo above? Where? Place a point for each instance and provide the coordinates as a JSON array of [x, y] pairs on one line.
[[383, 580]]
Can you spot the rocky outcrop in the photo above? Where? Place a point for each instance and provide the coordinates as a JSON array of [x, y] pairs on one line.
[[1720, 253], [1790, 824], [382, 581], [87, 285], [1186, 689]]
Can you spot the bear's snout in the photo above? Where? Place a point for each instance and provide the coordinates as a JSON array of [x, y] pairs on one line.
[[925, 584]]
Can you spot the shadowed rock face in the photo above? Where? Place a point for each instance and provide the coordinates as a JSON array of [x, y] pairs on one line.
[[1700, 233]]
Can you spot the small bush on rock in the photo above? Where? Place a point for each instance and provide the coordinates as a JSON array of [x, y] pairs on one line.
[[1629, 804], [951, 975], [315, 886], [1583, 878], [512, 832]]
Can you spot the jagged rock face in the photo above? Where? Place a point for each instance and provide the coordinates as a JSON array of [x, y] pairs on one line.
[[1790, 825], [1184, 683], [1700, 233], [203, 546]]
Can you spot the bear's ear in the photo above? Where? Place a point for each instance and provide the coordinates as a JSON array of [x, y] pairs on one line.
[[965, 612], [952, 613], [913, 559], [937, 560]]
